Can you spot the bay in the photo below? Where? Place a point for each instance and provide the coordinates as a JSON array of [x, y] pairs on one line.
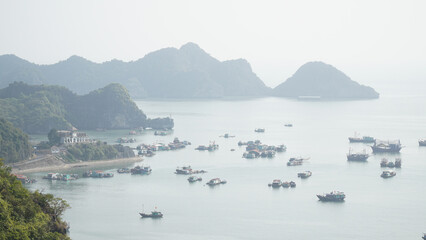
[[245, 207]]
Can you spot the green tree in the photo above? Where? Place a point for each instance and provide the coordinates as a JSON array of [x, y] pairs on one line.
[[29, 215], [54, 138]]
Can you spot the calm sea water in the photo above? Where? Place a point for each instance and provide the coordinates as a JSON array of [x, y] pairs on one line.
[[245, 207]]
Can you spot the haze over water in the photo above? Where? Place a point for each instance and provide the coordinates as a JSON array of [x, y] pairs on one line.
[[245, 207]]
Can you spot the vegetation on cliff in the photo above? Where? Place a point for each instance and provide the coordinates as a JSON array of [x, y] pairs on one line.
[[97, 151], [39, 108], [14, 145], [27, 215]]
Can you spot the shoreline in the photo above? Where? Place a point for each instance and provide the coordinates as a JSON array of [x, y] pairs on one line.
[[66, 166]]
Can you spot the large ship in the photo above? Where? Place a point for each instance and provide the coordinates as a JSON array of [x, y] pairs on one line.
[[334, 196], [386, 146], [358, 157]]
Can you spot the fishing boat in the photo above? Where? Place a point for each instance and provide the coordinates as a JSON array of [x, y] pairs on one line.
[[388, 174], [185, 170], [292, 184], [334, 196], [422, 142], [398, 162], [384, 162], [215, 181], [296, 161], [275, 183], [259, 130], [141, 170], [357, 157], [123, 170], [364, 139], [305, 174], [153, 214], [281, 148], [226, 135], [286, 184], [192, 179], [386, 146]]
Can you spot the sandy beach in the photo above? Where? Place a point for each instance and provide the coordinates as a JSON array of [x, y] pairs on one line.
[[52, 164]]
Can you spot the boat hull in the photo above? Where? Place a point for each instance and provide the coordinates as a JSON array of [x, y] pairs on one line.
[[328, 199]]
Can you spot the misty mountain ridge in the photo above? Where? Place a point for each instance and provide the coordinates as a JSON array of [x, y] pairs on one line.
[[187, 72], [325, 81]]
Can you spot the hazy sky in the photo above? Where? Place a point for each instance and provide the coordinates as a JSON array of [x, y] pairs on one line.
[[371, 41]]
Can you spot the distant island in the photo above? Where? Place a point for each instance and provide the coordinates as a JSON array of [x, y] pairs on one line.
[[321, 80], [187, 72], [36, 109]]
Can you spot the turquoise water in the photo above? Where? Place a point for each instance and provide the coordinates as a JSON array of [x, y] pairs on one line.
[[245, 207]]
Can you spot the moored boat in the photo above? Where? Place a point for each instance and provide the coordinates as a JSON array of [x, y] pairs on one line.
[[292, 184], [153, 214], [357, 157], [388, 174], [215, 181], [185, 170], [335, 196], [123, 170], [285, 184], [192, 179], [386, 146], [305, 174], [276, 183], [141, 170], [364, 139]]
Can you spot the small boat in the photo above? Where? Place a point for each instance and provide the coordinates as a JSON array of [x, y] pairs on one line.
[[215, 181], [259, 130], [185, 170], [292, 184], [424, 236], [288, 125], [357, 157], [232, 149], [123, 170], [226, 135], [384, 162], [364, 139], [296, 161], [386, 146], [334, 196], [398, 162], [285, 184], [159, 133], [305, 174], [388, 174], [153, 214], [192, 179], [422, 142], [133, 132], [24, 179], [281, 148], [276, 183], [141, 170]]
